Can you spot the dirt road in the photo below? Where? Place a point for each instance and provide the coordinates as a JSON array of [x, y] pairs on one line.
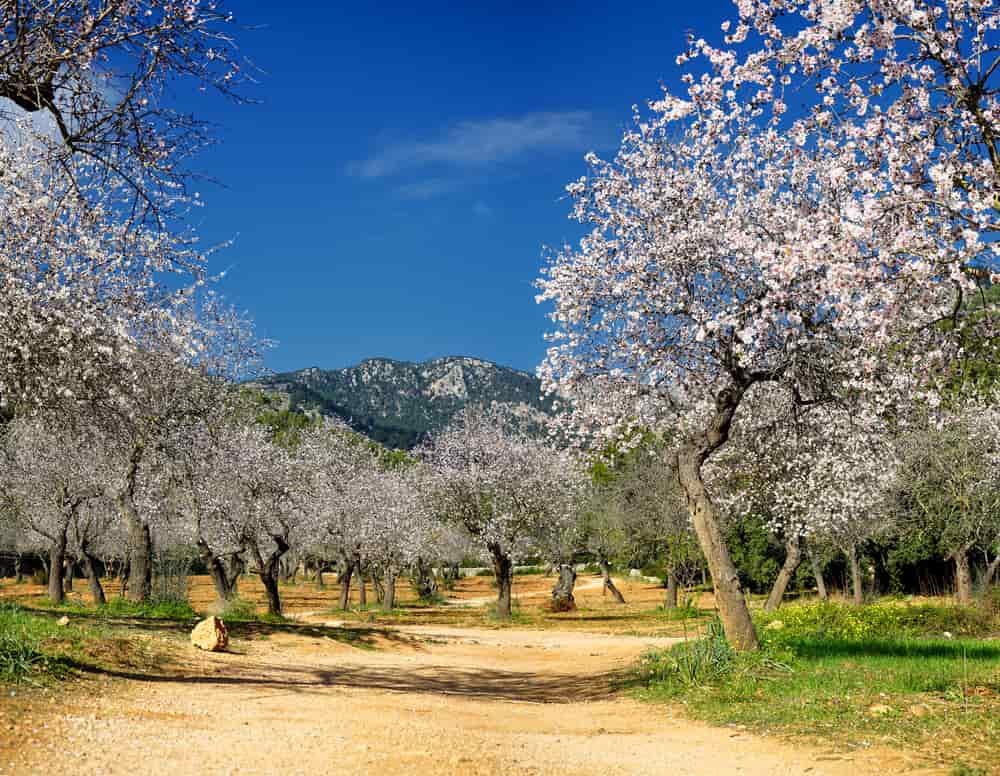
[[416, 700]]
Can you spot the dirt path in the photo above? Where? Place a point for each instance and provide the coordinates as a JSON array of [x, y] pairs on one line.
[[419, 700]]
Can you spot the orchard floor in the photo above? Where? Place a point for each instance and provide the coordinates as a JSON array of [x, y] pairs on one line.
[[444, 693]]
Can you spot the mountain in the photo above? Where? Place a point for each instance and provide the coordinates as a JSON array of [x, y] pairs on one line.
[[397, 403]]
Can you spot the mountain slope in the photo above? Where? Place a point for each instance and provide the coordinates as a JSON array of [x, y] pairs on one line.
[[397, 403]]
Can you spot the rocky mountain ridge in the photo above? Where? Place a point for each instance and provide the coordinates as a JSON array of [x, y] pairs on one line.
[[398, 403]]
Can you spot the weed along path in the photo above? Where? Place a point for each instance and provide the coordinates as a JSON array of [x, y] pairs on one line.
[[409, 700]]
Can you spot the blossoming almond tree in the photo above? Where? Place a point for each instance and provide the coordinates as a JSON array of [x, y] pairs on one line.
[[96, 78], [502, 487], [50, 476]]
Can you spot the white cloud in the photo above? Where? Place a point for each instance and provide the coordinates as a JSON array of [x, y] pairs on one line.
[[478, 143]]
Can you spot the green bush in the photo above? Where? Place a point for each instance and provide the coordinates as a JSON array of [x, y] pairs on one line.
[[826, 619]]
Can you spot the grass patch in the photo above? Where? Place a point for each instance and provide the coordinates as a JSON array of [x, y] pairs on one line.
[[852, 676], [169, 609]]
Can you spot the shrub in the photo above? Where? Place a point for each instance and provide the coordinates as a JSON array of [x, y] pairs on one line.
[[885, 619]]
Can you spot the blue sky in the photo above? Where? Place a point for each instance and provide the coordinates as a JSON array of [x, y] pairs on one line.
[[393, 190]]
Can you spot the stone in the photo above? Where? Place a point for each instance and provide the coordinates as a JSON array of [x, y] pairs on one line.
[[210, 635], [64, 620], [774, 625], [879, 709], [919, 710], [635, 573]]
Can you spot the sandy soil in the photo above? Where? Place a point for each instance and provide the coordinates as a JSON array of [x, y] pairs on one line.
[[413, 700]]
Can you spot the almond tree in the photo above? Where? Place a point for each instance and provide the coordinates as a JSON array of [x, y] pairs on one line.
[[339, 464], [50, 476], [814, 476], [396, 527], [734, 245], [97, 76], [947, 488], [502, 487]]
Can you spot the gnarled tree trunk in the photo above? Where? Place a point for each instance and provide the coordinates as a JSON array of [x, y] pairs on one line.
[[733, 609], [609, 584], [857, 583], [817, 570], [562, 593], [503, 572], [57, 567], [670, 600], [793, 557], [963, 576], [991, 573], [93, 578], [389, 601], [269, 570], [344, 580], [70, 572]]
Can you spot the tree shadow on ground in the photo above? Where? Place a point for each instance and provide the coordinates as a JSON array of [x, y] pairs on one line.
[[476, 683], [363, 637]]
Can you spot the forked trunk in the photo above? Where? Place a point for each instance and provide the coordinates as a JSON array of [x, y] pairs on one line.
[[817, 570], [963, 576], [857, 584], [93, 578], [503, 572], [562, 593], [733, 609], [793, 557], [57, 568], [670, 601], [609, 583], [269, 571], [223, 574]]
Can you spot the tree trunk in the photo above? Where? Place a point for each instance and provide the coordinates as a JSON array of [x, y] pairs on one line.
[[223, 579], [18, 569], [389, 602], [609, 584], [670, 602], [269, 571], [857, 585], [140, 568], [793, 557], [991, 572], [362, 589], [733, 609], [503, 572], [57, 568], [344, 580], [93, 578], [68, 578], [562, 593], [817, 570], [963, 576], [320, 584], [426, 583]]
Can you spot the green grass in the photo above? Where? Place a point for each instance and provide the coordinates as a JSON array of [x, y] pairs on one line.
[[882, 674], [35, 649], [123, 608]]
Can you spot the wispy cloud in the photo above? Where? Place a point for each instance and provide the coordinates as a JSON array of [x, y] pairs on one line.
[[479, 143]]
